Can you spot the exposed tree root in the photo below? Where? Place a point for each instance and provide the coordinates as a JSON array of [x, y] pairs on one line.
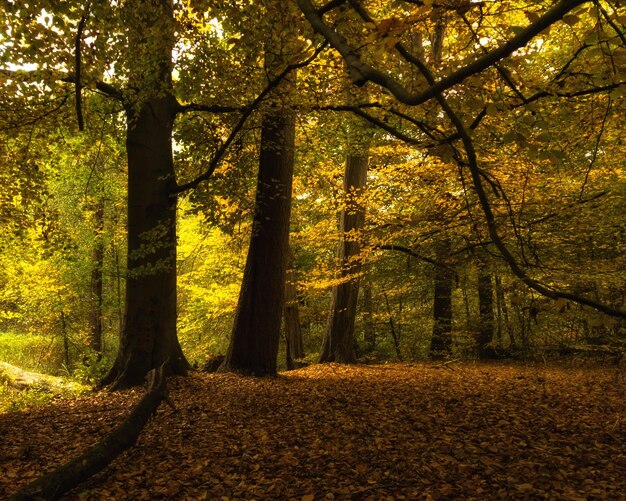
[[56, 483]]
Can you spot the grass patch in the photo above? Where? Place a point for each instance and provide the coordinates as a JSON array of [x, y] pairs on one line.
[[32, 352], [39, 354]]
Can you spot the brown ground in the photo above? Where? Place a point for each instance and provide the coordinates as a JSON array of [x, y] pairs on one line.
[[347, 432]]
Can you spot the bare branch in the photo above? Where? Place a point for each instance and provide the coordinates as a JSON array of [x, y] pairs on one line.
[[610, 21], [596, 148], [62, 101]]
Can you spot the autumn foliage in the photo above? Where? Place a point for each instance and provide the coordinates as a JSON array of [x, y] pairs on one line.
[[412, 431]]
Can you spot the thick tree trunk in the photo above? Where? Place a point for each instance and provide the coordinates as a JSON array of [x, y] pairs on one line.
[[148, 336], [293, 329], [149, 332], [95, 307], [339, 337], [485, 308], [253, 346], [441, 341]]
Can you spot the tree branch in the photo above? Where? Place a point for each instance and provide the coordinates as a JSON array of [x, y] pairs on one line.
[[333, 4], [475, 171], [377, 122], [77, 66], [362, 72], [247, 111], [208, 108], [412, 253], [611, 23]]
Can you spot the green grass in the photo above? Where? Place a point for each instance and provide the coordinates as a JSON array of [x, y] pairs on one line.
[[41, 354], [32, 352]]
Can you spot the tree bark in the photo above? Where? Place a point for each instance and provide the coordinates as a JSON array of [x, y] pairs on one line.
[[149, 331], [441, 341], [97, 256], [339, 340], [485, 308], [293, 329], [254, 342], [148, 335]]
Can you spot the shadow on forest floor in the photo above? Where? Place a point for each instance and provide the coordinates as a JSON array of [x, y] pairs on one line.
[[396, 431]]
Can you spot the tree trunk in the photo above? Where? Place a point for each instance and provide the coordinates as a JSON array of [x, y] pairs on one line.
[[97, 256], [441, 341], [149, 332], [338, 343], [392, 329], [293, 329], [485, 308], [505, 314], [368, 314], [148, 337], [253, 346]]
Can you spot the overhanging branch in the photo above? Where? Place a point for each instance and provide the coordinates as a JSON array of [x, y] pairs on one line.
[[362, 72], [477, 179], [247, 111]]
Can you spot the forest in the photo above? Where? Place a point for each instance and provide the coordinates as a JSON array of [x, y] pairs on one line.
[[407, 214]]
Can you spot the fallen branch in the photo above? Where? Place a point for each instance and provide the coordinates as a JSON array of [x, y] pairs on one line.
[[56, 483], [448, 364], [20, 379]]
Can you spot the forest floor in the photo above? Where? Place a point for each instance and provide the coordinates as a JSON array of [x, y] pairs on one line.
[[397, 431]]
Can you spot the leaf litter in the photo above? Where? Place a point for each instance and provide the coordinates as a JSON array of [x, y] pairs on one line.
[[393, 431]]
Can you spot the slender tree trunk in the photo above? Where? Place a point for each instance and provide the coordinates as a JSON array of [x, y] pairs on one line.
[[392, 329], [485, 308], [66, 342], [339, 337], [441, 341], [368, 314], [505, 313], [97, 256], [293, 329], [253, 346]]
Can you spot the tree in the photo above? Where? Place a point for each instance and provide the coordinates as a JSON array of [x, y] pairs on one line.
[[441, 341], [339, 337], [96, 299], [254, 343], [148, 336], [486, 324], [291, 315]]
